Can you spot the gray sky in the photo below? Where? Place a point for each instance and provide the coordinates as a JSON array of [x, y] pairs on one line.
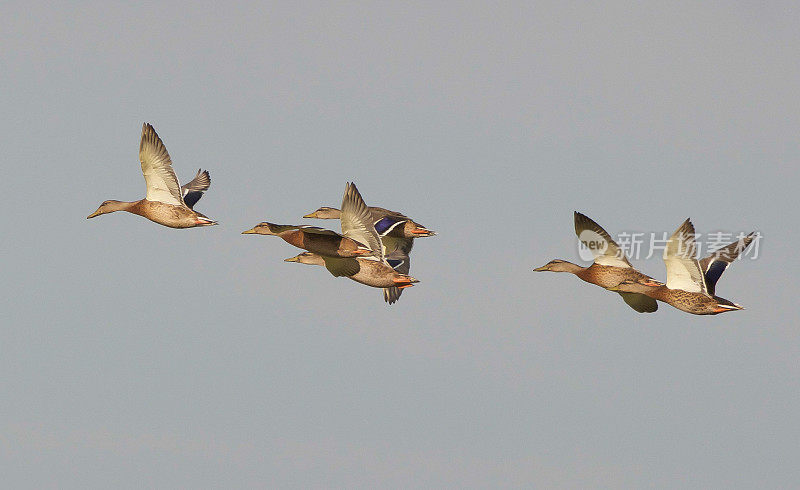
[[136, 355]]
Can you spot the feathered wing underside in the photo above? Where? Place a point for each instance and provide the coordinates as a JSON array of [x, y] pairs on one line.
[[162, 184], [339, 267], [640, 302], [612, 255], [683, 270], [193, 190], [357, 221]]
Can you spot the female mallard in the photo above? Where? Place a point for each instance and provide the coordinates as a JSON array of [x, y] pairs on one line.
[[166, 202], [397, 232], [610, 268], [367, 271], [359, 239], [358, 236], [690, 284], [317, 240]]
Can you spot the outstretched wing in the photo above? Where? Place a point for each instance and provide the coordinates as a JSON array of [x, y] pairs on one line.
[[595, 238], [683, 270], [193, 190], [341, 267], [162, 184], [639, 302], [357, 221], [715, 264]]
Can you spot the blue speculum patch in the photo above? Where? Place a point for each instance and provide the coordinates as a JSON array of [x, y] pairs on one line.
[[713, 273], [384, 224], [395, 263]]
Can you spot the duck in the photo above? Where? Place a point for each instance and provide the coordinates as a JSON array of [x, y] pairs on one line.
[[386, 222], [359, 240], [358, 237], [397, 232], [362, 270], [166, 202], [320, 241], [691, 284], [397, 251], [610, 267]]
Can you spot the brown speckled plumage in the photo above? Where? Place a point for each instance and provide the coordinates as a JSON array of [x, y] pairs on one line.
[[690, 302], [369, 272], [164, 203]]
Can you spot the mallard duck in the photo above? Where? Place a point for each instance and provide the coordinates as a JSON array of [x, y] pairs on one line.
[[397, 251], [314, 239], [690, 284], [359, 239], [366, 271], [397, 232], [386, 222], [166, 202], [610, 267]]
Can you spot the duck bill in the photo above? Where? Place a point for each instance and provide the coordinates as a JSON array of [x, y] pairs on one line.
[[292, 259], [422, 232], [96, 213], [724, 308], [541, 269], [404, 282], [310, 215], [251, 231]]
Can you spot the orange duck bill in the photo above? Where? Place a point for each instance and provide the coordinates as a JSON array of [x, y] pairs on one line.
[[403, 282]]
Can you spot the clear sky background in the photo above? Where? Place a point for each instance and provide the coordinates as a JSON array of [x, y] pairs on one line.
[[134, 355]]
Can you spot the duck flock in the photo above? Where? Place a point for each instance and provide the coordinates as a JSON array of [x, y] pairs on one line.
[[374, 245]]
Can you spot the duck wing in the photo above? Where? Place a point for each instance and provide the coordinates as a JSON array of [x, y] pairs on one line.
[[683, 270], [401, 262], [162, 184], [341, 267], [357, 221], [194, 189], [640, 302], [392, 245], [599, 242], [715, 264]]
